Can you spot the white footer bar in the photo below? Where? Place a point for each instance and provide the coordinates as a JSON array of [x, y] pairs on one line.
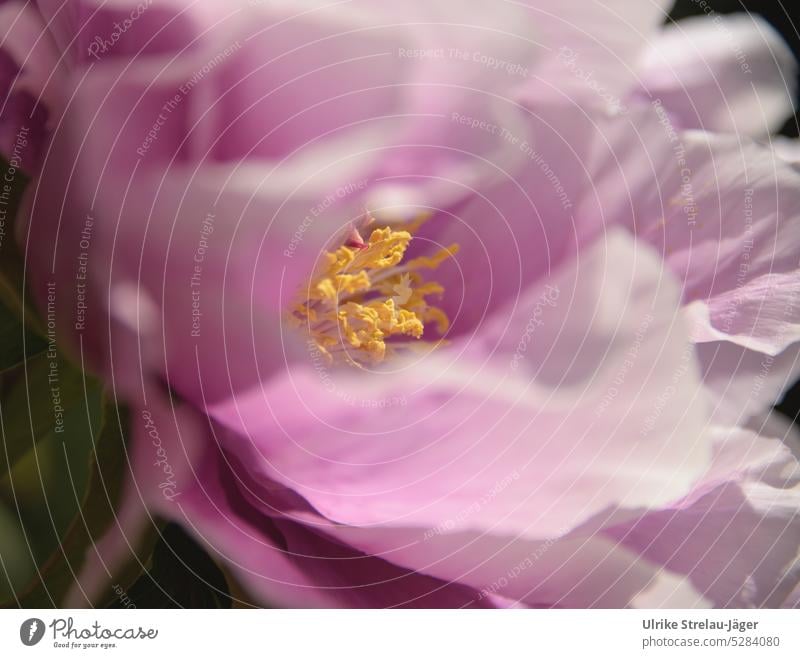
[[401, 633]]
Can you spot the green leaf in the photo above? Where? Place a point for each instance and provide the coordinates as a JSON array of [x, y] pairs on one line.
[[48, 396], [17, 343], [17, 562], [43, 493], [107, 467], [182, 576], [55, 500]]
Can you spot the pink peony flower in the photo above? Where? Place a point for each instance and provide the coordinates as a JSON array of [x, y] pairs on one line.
[[569, 405]]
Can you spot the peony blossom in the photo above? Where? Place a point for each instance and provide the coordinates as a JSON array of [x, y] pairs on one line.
[[459, 305]]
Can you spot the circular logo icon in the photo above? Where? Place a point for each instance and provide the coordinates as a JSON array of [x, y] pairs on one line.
[[31, 631]]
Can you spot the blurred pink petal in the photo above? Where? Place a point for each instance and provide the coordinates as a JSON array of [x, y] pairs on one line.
[[725, 74], [591, 48]]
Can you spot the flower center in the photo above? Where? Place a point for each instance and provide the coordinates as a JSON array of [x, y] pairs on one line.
[[364, 304]]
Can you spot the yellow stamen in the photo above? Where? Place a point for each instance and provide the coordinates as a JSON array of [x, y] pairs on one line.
[[363, 296]]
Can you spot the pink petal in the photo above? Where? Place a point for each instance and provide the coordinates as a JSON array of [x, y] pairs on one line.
[[729, 233], [560, 451], [786, 148], [29, 72], [568, 572], [736, 537], [591, 46], [762, 317], [743, 382], [561, 181], [279, 562], [578, 570], [722, 74]]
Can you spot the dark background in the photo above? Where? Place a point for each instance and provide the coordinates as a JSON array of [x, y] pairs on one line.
[[784, 15]]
